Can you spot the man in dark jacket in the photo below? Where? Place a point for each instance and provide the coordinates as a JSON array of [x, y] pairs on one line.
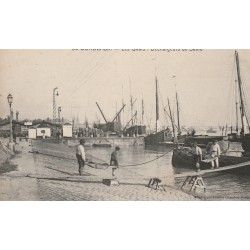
[[114, 161]]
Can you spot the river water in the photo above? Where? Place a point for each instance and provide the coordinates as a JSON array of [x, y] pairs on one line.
[[156, 162], [219, 186]]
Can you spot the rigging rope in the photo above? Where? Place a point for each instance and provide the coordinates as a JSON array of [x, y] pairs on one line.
[[83, 71], [245, 98], [230, 95], [92, 71]]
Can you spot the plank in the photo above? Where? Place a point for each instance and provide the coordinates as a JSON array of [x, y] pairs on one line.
[[202, 172]]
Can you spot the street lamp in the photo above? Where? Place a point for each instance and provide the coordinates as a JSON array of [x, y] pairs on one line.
[[54, 104], [59, 111], [10, 100]]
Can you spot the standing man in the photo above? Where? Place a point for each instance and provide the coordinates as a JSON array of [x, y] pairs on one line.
[[215, 153], [80, 155], [197, 154], [114, 161]]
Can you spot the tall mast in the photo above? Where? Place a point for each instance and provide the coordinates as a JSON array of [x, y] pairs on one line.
[[242, 109], [142, 111], [131, 101], [157, 104], [178, 114], [237, 126], [172, 120], [123, 109]]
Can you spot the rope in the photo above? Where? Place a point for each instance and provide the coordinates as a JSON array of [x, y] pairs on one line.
[[131, 165], [143, 163]]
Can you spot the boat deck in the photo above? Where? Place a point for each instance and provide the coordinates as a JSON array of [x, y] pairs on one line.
[[202, 172]]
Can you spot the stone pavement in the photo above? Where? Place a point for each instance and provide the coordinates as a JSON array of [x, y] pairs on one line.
[[41, 177]]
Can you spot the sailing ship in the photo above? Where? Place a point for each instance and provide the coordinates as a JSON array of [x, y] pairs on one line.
[[238, 135], [241, 136], [132, 128], [183, 158], [160, 137]]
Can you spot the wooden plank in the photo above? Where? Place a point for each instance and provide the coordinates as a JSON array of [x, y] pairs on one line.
[[202, 172]]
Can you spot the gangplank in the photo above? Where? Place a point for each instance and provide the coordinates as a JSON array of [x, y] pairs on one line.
[[195, 178]]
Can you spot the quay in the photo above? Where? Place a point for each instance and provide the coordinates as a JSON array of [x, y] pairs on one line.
[[37, 177]]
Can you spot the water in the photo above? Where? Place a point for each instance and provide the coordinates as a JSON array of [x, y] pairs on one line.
[[219, 186], [138, 155]]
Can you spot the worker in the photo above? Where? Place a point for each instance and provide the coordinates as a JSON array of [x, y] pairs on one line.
[[80, 155], [114, 161], [197, 154], [215, 153]]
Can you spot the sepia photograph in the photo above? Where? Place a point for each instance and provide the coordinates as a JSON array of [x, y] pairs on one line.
[[124, 125]]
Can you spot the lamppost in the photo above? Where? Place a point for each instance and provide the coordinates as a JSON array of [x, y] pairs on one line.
[[10, 100], [17, 114], [54, 104], [59, 111]]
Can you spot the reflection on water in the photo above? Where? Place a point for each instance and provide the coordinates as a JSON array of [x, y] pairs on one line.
[[221, 185], [137, 156]]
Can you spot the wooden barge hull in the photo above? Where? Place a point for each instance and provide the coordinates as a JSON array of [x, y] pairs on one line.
[[183, 159]]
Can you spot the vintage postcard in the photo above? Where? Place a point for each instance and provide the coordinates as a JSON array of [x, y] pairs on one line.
[[124, 125]]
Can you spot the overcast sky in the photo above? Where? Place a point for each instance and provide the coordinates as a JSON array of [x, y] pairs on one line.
[[203, 80]]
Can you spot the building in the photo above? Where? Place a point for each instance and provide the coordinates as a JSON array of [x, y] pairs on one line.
[[32, 133], [67, 130], [5, 128], [43, 129]]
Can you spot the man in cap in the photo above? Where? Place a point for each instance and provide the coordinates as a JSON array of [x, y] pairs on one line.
[[197, 154], [80, 155], [215, 153], [114, 161]]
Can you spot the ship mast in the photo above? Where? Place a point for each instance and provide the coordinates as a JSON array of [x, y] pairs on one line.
[[142, 111], [237, 126], [157, 104], [131, 101], [178, 113], [242, 108], [172, 120]]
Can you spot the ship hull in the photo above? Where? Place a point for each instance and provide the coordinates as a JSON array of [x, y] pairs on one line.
[[162, 137], [203, 140], [182, 158]]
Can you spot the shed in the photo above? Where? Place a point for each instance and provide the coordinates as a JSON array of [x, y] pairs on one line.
[[43, 129], [32, 133], [67, 130]]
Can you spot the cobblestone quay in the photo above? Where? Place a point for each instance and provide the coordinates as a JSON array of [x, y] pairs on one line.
[[42, 177]]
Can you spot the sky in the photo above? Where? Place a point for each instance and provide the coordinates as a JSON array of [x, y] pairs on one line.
[[203, 80]]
